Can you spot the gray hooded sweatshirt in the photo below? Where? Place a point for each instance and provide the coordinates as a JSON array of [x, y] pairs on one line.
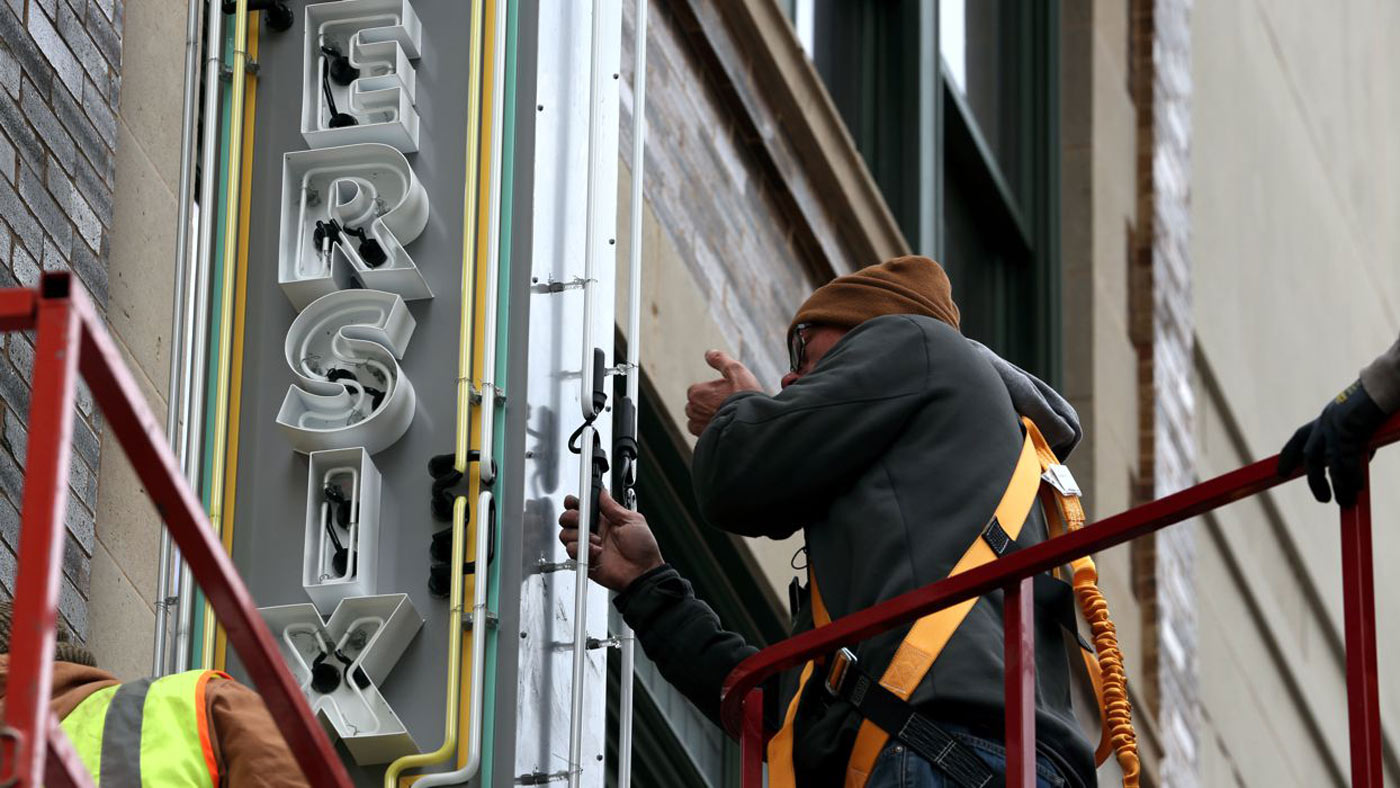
[[890, 456]]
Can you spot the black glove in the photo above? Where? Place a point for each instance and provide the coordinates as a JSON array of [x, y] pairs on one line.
[[1335, 444]]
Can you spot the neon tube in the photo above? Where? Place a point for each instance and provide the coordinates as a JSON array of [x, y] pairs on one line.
[[226, 293], [487, 417], [197, 313], [464, 378], [626, 637], [180, 372], [240, 308], [503, 340], [487, 465], [478, 675]]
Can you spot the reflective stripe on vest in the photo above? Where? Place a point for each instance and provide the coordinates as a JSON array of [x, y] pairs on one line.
[[925, 640], [147, 733]]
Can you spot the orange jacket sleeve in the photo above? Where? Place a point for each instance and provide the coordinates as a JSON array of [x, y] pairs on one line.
[[248, 744]]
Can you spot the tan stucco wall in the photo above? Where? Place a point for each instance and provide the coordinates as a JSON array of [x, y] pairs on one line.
[[1294, 197], [141, 275], [678, 325]]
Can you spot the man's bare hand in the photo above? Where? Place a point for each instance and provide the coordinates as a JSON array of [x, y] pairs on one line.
[[704, 399], [624, 548]]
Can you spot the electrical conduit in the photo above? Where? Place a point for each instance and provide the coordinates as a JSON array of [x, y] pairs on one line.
[[589, 434], [197, 313], [464, 380], [230, 251], [486, 415], [626, 637], [502, 309], [179, 371], [240, 312]]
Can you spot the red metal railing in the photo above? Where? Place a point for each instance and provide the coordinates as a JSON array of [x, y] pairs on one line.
[[743, 700], [72, 339]]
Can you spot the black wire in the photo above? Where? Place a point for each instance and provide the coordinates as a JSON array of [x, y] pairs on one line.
[[326, 81], [793, 561]]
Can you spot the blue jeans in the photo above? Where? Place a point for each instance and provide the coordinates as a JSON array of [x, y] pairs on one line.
[[898, 767]]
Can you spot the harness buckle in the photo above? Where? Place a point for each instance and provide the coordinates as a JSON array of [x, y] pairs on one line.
[[1059, 477], [841, 663]]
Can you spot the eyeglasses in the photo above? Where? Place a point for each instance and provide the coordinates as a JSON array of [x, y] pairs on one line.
[[797, 346]]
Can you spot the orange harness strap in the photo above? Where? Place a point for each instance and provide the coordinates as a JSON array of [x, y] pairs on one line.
[[780, 771], [1056, 525], [1105, 665]]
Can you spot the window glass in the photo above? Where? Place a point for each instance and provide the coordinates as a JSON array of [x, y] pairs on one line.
[[952, 41], [983, 48], [957, 128]]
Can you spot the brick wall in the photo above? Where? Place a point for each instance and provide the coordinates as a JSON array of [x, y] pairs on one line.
[[711, 192], [60, 72], [1163, 332]]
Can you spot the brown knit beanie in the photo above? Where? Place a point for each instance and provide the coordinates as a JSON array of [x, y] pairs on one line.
[[67, 649], [902, 286]]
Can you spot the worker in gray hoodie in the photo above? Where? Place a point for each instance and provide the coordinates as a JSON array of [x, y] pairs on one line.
[[890, 445], [1336, 441]]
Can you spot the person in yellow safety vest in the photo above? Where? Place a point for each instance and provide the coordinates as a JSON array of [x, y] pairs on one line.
[[197, 728], [889, 446], [1334, 443]]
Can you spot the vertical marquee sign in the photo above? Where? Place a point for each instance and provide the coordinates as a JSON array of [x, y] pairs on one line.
[[351, 209]]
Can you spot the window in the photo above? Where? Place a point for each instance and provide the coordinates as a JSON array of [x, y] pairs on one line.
[[953, 106]]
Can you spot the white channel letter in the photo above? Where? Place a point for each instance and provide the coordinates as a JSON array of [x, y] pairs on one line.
[[379, 38], [347, 213], [362, 641], [344, 349]]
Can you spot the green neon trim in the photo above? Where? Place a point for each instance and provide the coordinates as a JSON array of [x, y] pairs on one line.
[[493, 592], [215, 316]]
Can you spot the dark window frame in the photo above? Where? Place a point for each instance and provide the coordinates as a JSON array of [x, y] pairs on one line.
[[882, 65]]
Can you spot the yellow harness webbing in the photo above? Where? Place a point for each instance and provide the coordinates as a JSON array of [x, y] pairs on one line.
[[921, 646], [930, 634], [780, 773]]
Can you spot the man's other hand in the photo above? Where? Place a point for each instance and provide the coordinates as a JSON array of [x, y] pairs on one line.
[[624, 548], [704, 399], [1334, 444]]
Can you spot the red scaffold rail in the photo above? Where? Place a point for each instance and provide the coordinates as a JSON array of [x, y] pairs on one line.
[[71, 340], [742, 697]]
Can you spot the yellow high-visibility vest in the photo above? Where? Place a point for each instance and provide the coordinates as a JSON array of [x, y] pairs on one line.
[[147, 733]]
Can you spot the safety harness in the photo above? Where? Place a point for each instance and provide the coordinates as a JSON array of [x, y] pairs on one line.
[[883, 703]]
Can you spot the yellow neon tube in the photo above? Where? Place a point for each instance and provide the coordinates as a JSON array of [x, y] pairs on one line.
[[240, 315], [464, 390], [231, 206], [484, 312]]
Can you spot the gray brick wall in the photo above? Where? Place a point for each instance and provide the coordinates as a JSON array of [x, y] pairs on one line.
[[60, 73], [1174, 412]]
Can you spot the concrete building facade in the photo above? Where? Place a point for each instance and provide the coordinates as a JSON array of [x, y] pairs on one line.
[[1295, 285]]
